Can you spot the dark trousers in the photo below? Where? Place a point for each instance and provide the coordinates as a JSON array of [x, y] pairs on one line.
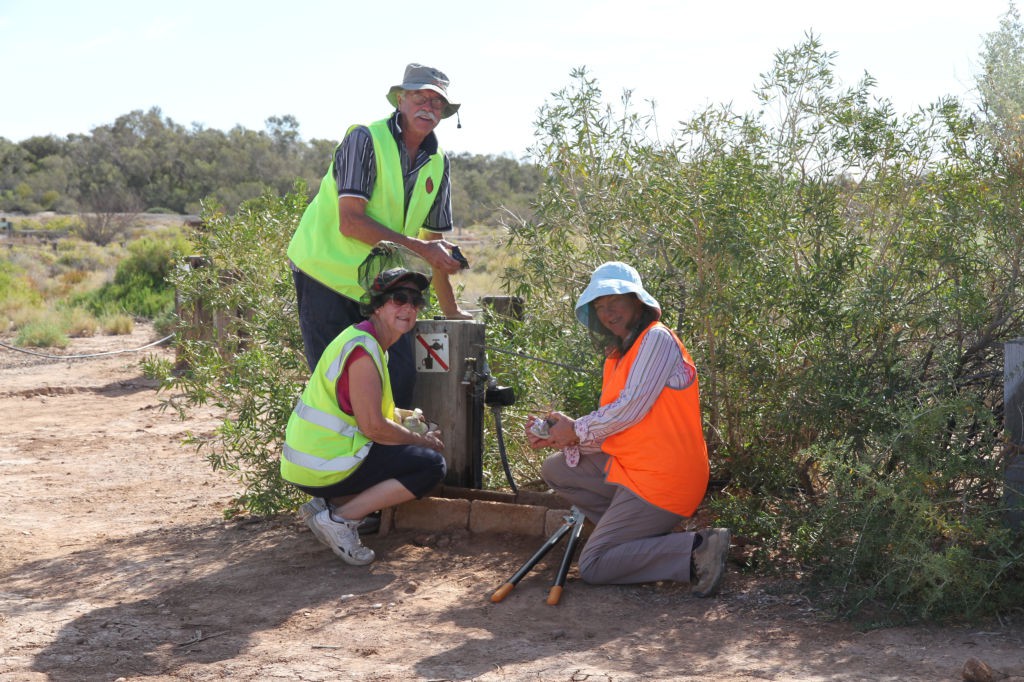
[[419, 469], [324, 313]]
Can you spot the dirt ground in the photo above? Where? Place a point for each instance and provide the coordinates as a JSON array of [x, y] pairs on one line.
[[116, 564]]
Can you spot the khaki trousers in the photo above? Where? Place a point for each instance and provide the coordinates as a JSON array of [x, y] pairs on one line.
[[631, 541]]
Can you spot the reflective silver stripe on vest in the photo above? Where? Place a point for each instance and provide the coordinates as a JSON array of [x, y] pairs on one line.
[[308, 461], [334, 371], [329, 421]]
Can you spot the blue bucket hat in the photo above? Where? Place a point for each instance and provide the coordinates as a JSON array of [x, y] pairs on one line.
[[611, 278]]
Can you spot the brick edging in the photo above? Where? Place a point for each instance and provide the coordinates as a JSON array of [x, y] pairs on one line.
[[479, 511]]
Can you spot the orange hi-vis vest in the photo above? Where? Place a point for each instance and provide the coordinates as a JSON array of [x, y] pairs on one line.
[[663, 458]]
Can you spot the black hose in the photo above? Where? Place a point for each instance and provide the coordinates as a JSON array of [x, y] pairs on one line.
[[501, 447]]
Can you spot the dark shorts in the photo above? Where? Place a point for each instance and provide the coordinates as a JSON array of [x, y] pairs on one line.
[[418, 469], [324, 313]]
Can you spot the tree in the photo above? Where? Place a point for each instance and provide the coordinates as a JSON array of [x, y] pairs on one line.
[[109, 213], [486, 188], [161, 165], [1001, 86]]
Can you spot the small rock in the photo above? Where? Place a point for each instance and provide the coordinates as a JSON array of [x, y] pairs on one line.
[[423, 540], [977, 671]]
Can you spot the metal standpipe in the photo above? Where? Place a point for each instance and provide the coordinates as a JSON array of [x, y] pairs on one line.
[[449, 393], [1013, 417]]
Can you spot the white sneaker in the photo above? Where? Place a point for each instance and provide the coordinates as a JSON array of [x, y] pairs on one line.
[[342, 537], [311, 509]]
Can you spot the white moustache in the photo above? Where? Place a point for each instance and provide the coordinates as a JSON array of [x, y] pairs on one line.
[[429, 115]]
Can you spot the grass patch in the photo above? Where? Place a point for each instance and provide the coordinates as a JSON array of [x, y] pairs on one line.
[[42, 333], [80, 323], [117, 324], [52, 290]]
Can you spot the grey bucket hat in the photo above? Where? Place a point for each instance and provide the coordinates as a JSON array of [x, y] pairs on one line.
[[611, 278], [419, 77]]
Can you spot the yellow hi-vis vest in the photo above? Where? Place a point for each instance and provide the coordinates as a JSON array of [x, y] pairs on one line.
[[318, 247], [322, 444]]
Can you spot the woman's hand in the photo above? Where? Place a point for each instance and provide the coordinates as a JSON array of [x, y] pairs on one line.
[[432, 440], [535, 441], [562, 431]]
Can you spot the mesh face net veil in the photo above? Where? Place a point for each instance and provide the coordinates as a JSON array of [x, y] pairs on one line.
[[387, 263]]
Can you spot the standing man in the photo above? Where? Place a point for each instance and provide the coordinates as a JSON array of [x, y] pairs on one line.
[[388, 181]]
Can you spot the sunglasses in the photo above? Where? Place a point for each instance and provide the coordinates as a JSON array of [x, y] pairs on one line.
[[405, 297], [419, 99]]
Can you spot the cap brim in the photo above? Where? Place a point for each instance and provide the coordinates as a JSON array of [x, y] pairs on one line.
[[417, 279]]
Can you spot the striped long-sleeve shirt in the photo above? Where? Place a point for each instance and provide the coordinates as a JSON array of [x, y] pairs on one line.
[[658, 364]]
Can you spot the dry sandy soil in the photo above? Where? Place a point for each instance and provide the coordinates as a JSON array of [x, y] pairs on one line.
[[116, 564]]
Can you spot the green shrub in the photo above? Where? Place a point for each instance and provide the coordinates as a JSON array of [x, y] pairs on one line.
[[918, 543], [165, 323], [252, 363], [140, 286], [15, 289], [82, 255], [43, 333], [63, 223], [157, 368], [842, 278]]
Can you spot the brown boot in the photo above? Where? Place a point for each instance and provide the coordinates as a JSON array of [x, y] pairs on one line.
[[709, 562]]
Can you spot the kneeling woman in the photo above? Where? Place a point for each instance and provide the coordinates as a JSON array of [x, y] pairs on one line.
[[637, 465], [342, 444]]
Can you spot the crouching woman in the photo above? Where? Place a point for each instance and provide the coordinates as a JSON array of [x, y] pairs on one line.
[[638, 465], [342, 444]]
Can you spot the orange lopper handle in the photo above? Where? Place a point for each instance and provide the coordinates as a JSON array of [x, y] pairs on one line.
[[502, 592]]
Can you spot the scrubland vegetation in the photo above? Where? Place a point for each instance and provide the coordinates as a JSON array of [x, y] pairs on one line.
[[844, 276]]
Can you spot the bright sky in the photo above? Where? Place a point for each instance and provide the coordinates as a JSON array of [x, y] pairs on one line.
[[67, 67]]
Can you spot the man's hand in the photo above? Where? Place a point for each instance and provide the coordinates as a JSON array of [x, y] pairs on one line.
[[437, 252], [459, 314], [355, 224]]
